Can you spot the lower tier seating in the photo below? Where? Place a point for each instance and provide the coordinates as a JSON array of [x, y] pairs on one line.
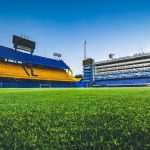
[[34, 73]]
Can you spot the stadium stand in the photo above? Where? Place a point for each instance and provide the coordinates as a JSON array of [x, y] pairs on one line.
[[126, 71], [11, 54], [18, 69]]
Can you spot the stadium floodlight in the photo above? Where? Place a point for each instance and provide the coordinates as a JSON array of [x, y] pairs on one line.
[[57, 56], [111, 56]]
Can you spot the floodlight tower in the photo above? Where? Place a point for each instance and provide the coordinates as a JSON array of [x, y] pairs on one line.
[[85, 50]]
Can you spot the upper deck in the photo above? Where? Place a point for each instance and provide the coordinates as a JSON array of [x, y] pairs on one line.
[[136, 57]]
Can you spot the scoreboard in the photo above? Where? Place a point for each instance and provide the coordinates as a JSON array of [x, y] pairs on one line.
[[23, 44]]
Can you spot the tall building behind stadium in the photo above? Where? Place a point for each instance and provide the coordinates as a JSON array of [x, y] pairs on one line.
[[24, 69], [125, 71]]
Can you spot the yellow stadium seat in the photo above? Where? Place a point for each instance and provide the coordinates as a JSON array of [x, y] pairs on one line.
[[10, 70]]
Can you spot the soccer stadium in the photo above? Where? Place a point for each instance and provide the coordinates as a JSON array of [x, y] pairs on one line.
[[125, 71], [42, 108], [76, 98], [24, 69]]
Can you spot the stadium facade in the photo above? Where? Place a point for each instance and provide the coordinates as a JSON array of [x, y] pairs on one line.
[[88, 72], [126, 71], [21, 69]]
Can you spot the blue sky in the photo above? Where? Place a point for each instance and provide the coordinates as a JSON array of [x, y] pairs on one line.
[[110, 26]]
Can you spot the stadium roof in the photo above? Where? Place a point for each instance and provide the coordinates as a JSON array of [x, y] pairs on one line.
[[11, 54], [124, 59]]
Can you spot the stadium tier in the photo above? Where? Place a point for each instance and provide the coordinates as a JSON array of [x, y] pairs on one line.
[[18, 69], [126, 71]]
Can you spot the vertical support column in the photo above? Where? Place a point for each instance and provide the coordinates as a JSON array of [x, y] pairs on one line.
[[71, 72]]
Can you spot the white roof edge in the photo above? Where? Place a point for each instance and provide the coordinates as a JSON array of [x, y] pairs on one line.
[[124, 58]]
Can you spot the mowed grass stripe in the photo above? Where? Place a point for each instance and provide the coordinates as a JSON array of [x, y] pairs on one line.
[[109, 118]]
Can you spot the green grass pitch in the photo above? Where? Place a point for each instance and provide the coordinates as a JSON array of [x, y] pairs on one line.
[[111, 118]]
